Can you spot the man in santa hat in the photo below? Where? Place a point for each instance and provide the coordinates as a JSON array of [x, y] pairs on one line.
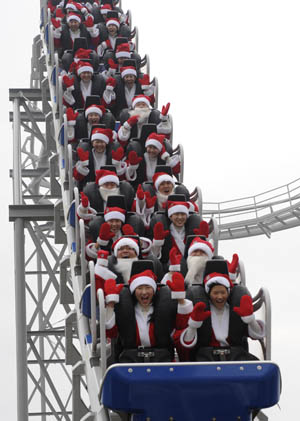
[[83, 84], [149, 317], [198, 253]]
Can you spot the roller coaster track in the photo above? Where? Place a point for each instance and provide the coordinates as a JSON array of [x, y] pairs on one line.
[[50, 273]]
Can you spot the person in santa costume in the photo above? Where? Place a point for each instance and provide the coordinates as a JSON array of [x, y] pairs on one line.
[[81, 85], [140, 112], [93, 155], [107, 184], [115, 26], [145, 316], [222, 318], [76, 26]]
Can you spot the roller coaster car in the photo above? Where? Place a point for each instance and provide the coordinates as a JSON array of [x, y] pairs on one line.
[[68, 55], [98, 18], [108, 119], [124, 30]]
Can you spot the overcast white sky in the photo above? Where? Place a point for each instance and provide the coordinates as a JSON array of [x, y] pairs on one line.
[[231, 72]]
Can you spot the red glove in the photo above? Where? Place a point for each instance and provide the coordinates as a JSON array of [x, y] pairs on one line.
[[198, 315], [176, 168], [105, 234], [68, 81], [131, 122], [102, 257], [246, 307], [140, 192], [89, 22], [112, 64], [150, 201], [177, 286], [112, 290], [165, 109], [127, 229], [175, 259], [82, 154], [111, 82], [159, 232], [232, 267], [133, 158], [118, 155], [203, 229], [55, 22], [59, 13], [84, 200], [145, 81], [71, 116]]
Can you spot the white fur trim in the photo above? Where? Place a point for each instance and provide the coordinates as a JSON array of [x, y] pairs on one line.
[[128, 72], [102, 262], [73, 17], [140, 99], [104, 272], [107, 179], [203, 247], [126, 54], [219, 280], [161, 178], [91, 251], [111, 322], [126, 242], [165, 155], [174, 268], [248, 319], [113, 22], [92, 109], [102, 242], [112, 298], [85, 69], [177, 209], [99, 136], [142, 280], [185, 308], [153, 142], [158, 243], [114, 215], [194, 323], [183, 343], [177, 295]]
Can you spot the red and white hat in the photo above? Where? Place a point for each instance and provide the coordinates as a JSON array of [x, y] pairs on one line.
[[105, 8], [126, 241], [176, 207], [73, 16], [102, 134], [217, 279], [82, 53], [84, 66], [123, 50], [98, 109], [156, 140], [159, 177], [105, 176], [113, 21], [199, 244], [144, 278], [114, 213], [141, 98], [71, 6], [128, 70]]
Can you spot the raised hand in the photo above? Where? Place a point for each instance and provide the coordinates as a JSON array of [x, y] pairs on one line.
[[112, 291], [177, 286]]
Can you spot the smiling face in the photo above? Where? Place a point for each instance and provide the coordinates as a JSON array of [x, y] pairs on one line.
[[152, 151], [178, 219], [73, 25], [86, 76], [126, 252], [115, 225], [129, 80], [99, 145], [166, 188], [144, 295], [218, 296], [112, 30], [93, 118], [198, 253]]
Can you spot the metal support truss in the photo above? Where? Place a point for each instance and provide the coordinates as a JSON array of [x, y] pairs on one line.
[[44, 382]]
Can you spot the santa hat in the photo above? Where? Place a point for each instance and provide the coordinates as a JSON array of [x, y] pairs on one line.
[[72, 6], [143, 278], [140, 98], [199, 244], [105, 176], [84, 66], [123, 50], [73, 16], [159, 177], [113, 21], [176, 207], [156, 140], [98, 109], [216, 278], [128, 70], [105, 8], [125, 241], [106, 135], [82, 53], [114, 213]]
